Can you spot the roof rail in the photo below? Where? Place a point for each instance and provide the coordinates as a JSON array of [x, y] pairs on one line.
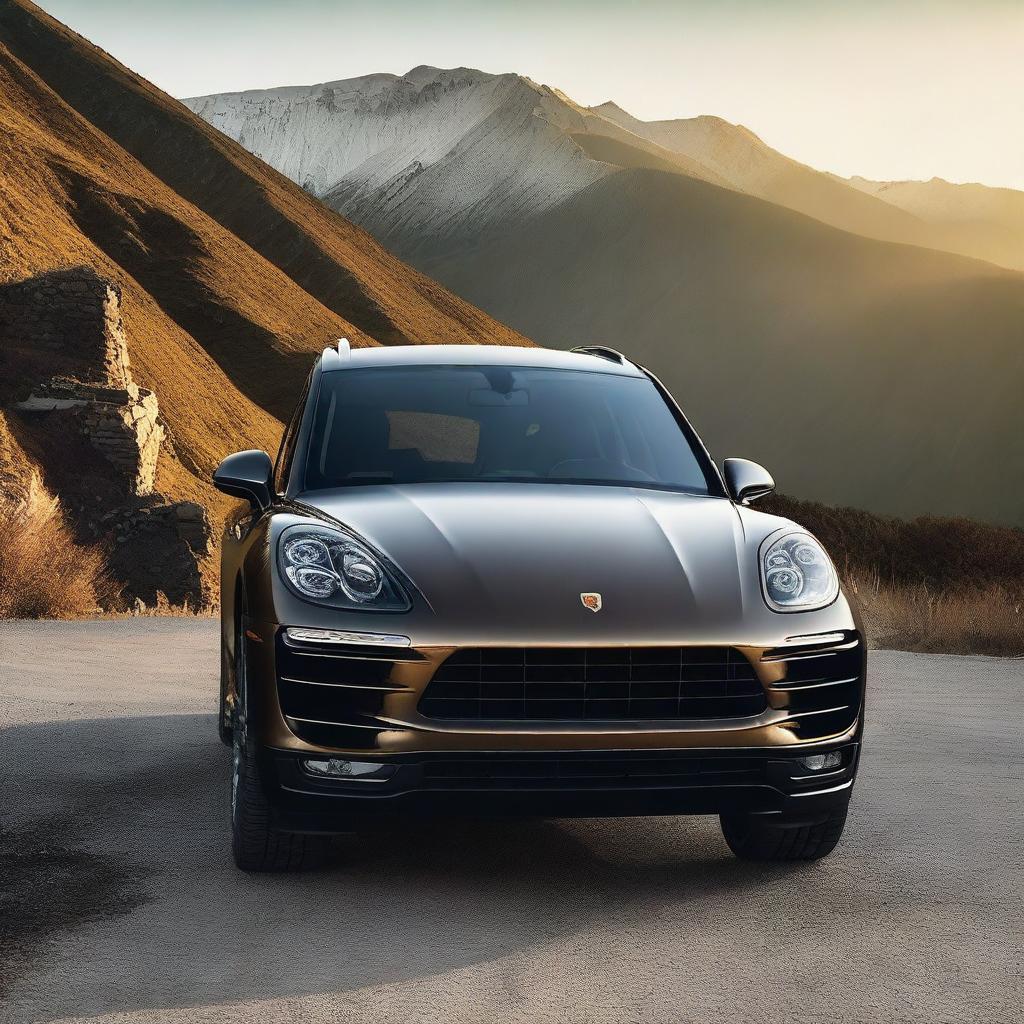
[[335, 358], [602, 352]]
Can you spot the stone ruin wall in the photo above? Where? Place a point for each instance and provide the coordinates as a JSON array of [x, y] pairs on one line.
[[72, 312], [77, 315]]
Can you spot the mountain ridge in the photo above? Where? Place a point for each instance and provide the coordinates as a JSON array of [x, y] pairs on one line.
[[433, 120], [706, 147], [977, 220]]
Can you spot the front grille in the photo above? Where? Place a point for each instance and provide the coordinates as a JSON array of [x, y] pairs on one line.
[[592, 772], [594, 683]]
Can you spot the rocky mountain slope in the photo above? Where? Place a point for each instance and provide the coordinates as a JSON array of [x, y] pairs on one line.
[[127, 224], [862, 372]]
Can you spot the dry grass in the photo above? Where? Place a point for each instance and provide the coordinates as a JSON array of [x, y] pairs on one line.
[[43, 572], [911, 617], [162, 609]]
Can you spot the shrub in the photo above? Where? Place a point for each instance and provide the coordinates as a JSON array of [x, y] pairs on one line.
[[43, 572], [909, 617]]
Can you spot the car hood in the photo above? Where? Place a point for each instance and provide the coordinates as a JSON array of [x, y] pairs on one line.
[[514, 559]]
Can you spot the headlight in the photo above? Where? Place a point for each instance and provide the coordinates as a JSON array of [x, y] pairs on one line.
[[332, 567], [797, 574]]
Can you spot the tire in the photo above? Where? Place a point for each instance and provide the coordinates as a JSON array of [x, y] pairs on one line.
[[751, 837], [255, 844], [223, 716]]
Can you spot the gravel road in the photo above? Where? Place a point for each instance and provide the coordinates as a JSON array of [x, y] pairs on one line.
[[118, 900]]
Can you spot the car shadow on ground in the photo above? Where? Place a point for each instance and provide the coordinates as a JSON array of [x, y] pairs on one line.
[[126, 821]]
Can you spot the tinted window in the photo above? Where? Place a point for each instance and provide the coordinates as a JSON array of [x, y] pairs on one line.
[[446, 423]]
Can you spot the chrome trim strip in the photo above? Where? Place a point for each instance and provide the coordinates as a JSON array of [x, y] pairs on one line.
[[304, 634], [331, 779], [346, 686], [820, 775], [816, 638], [796, 687], [823, 711], [396, 655], [822, 792], [340, 725], [807, 651]]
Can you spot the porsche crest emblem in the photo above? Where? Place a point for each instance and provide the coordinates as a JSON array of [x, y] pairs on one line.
[[591, 601]]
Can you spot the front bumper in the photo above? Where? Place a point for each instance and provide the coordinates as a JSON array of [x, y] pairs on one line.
[[562, 784], [365, 705], [351, 701]]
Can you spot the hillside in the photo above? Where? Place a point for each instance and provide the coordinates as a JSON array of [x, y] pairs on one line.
[[747, 164], [862, 372], [973, 219], [225, 280]]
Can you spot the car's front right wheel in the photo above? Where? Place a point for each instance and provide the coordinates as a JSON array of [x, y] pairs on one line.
[[751, 837], [255, 843]]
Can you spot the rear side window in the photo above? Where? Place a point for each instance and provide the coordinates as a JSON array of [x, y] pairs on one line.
[[431, 424]]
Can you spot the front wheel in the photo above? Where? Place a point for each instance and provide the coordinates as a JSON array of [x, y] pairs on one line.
[[224, 715], [255, 843], [751, 837]]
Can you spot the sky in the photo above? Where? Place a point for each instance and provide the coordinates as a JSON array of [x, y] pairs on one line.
[[889, 89]]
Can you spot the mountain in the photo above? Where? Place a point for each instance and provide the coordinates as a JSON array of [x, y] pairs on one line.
[[972, 220], [862, 372], [433, 154], [976, 220], [162, 296], [747, 164], [421, 155]]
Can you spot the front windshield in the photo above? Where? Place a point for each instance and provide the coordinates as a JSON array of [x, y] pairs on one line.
[[428, 424]]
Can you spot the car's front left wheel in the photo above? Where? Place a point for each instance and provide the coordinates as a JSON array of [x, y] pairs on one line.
[[255, 843]]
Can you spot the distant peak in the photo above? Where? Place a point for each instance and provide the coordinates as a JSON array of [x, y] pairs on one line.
[[614, 112], [422, 73], [425, 74], [610, 105]]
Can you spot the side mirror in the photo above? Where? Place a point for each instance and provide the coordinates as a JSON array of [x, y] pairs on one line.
[[747, 481], [246, 475]]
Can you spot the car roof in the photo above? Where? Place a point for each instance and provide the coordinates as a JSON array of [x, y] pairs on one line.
[[479, 355]]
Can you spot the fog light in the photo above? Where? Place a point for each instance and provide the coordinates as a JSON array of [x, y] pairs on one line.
[[336, 768], [819, 762]]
